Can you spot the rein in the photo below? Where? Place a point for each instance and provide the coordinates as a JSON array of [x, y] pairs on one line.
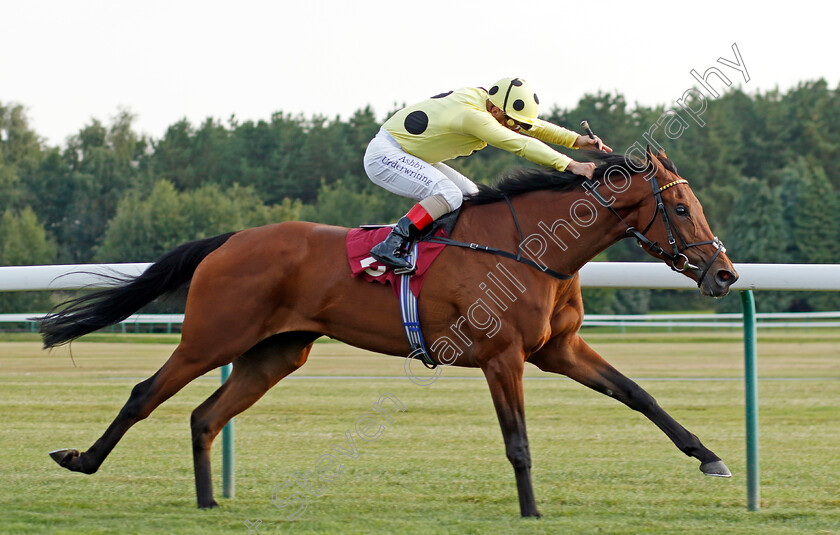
[[673, 259], [498, 252]]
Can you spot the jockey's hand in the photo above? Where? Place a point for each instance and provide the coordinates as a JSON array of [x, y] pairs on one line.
[[586, 142], [583, 169]]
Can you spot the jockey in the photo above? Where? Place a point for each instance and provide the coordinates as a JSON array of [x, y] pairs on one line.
[[405, 156]]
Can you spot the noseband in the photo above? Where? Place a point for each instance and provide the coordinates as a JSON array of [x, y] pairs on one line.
[[678, 256]]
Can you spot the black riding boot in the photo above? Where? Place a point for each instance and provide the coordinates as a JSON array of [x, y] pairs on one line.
[[393, 250]]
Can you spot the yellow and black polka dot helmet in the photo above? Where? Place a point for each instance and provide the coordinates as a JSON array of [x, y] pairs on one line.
[[515, 97]]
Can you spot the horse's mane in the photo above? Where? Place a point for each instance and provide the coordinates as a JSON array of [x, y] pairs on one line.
[[526, 179]]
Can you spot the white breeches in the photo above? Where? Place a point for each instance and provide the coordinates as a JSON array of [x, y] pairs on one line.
[[389, 166]]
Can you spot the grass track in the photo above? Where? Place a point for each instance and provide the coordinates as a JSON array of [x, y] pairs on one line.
[[440, 468]]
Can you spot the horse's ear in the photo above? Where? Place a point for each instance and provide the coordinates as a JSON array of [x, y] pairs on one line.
[[659, 154], [652, 163]]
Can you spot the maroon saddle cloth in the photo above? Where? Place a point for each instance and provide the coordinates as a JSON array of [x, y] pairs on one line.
[[361, 240]]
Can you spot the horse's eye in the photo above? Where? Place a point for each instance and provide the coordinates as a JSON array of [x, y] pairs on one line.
[[682, 210]]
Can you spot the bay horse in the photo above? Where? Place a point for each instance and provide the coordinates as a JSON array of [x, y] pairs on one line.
[[260, 297]]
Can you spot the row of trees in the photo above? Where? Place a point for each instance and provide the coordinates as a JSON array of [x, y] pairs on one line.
[[766, 167]]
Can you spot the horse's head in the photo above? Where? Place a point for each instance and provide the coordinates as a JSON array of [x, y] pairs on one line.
[[678, 232]]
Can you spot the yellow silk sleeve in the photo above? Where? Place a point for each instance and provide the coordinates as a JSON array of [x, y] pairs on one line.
[[551, 133], [483, 126]]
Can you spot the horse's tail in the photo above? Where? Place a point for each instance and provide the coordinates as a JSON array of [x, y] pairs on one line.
[[103, 308]]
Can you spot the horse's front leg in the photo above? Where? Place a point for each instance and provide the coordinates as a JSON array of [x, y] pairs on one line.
[[573, 357], [504, 377]]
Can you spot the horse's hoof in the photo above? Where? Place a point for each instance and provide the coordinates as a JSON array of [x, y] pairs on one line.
[[63, 457], [72, 460], [715, 469], [211, 505]]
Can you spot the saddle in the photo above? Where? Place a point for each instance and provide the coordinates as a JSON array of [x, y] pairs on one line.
[[423, 252], [406, 284]]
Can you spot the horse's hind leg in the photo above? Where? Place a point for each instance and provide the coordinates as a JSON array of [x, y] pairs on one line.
[[254, 373], [575, 359], [183, 366]]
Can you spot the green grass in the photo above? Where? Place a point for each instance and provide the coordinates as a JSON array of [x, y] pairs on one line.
[[440, 467]]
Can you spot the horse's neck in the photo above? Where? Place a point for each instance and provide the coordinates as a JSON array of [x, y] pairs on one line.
[[589, 225], [560, 230]]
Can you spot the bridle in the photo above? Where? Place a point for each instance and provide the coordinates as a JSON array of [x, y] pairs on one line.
[[675, 258], [678, 255]]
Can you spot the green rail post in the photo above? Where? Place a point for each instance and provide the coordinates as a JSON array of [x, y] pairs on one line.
[[227, 448], [751, 383]]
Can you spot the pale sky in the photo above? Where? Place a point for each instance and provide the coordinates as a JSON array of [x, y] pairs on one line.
[[71, 61]]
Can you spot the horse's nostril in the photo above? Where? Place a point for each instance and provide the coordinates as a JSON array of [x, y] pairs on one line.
[[726, 277]]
